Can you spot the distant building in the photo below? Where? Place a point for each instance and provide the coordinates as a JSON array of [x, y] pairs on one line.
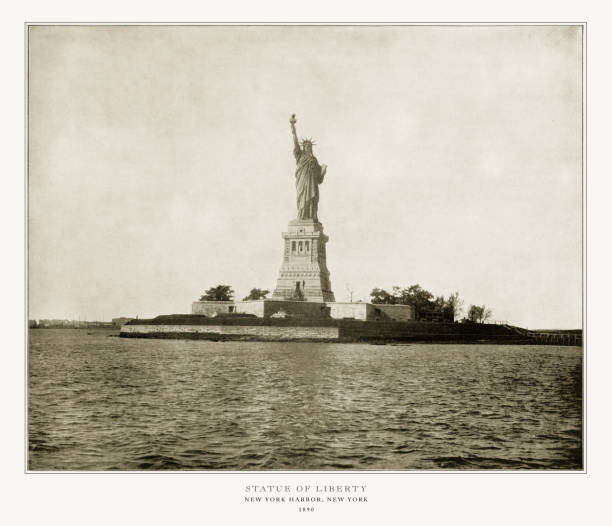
[[73, 324], [55, 323], [213, 308], [371, 312], [266, 308]]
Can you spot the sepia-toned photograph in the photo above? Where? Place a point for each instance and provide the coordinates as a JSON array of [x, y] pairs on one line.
[[304, 247]]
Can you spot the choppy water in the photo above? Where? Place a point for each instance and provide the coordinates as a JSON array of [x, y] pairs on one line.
[[100, 403]]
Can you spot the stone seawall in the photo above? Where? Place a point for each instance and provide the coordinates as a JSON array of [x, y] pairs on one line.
[[256, 332], [425, 331], [242, 327]]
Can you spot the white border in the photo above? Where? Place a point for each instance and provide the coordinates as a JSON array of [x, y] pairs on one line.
[[157, 499]]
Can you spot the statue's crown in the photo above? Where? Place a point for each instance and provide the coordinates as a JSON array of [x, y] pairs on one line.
[[308, 140]]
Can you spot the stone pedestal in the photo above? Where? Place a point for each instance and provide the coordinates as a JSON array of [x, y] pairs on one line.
[[303, 275]]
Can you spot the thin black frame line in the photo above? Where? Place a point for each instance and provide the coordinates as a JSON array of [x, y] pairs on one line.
[[584, 243], [312, 24]]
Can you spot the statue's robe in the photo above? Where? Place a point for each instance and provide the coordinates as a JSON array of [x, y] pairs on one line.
[[308, 177]]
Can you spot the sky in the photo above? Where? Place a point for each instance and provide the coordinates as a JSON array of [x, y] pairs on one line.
[[160, 163]]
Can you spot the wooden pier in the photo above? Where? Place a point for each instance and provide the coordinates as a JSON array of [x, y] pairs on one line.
[[571, 338]]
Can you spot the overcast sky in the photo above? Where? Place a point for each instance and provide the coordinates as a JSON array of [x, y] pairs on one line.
[[160, 163]]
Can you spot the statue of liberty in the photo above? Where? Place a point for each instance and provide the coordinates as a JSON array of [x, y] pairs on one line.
[[308, 176]]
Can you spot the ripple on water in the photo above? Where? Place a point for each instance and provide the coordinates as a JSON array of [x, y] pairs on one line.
[[98, 403]]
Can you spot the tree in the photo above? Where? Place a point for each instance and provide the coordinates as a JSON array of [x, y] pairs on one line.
[[413, 295], [453, 306], [426, 305], [218, 293], [256, 294], [474, 313], [381, 296], [479, 313], [422, 300]]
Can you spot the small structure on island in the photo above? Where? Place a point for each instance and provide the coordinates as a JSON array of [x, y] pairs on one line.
[[303, 288]]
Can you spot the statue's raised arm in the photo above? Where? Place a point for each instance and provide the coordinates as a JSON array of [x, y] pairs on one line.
[[296, 144]]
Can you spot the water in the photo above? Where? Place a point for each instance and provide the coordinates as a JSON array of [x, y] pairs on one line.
[[103, 403]]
